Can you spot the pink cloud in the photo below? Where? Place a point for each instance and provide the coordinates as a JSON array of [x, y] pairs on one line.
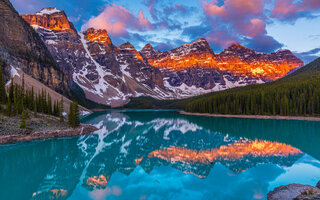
[[254, 28], [117, 20], [221, 39], [243, 16], [143, 21], [234, 8], [288, 9], [212, 9], [238, 21]]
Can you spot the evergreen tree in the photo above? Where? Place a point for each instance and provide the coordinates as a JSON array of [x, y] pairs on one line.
[[61, 110], [23, 119], [71, 116], [49, 105], [76, 111], [74, 120], [35, 110], [3, 94], [11, 91]]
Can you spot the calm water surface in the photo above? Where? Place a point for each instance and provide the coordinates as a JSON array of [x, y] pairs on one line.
[[164, 155]]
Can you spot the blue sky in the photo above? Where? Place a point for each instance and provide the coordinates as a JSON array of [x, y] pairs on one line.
[[264, 25]]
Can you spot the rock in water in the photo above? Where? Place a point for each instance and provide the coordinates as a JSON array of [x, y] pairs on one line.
[[318, 185], [294, 191]]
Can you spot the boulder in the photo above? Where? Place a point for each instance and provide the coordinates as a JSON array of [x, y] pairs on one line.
[[294, 191]]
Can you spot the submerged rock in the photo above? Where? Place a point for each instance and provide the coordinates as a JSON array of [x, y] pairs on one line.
[[294, 191], [318, 185]]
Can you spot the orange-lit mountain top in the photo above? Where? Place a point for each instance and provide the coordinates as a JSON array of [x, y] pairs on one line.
[[99, 36], [101, 69], [50, 18], [236, 59], [233, 151]]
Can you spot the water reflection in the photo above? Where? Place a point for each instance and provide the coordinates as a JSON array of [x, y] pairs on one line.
[[157, 154]]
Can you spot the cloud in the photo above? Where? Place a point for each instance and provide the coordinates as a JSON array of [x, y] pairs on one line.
[[117, 20], [263, 43], [308, 56], [242, 21], [194, 32], [291, 10], [220, 40]]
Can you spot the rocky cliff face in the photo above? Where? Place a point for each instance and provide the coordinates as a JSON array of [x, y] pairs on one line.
[[236, 59], [50, 18], [21, 47], [111, 75]]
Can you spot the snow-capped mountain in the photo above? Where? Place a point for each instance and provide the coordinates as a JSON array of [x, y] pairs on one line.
[[111, 75], [21, 48]]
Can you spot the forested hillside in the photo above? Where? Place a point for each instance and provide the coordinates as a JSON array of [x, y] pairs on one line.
[[296, 94]]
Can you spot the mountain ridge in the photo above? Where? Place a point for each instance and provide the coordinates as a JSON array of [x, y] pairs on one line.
[[21, 46], [112, 75]]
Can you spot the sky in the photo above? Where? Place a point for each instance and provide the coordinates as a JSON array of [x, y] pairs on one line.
[[263, 25]]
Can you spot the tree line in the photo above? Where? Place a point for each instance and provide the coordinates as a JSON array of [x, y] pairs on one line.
[[294, 95], [17, 100]]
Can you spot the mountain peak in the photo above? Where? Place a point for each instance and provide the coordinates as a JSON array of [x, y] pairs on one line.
[[283, 51], [200, 40], [48, 11], [147, 47], [98, 35], [50, 18], [127, 46], [237, 46]]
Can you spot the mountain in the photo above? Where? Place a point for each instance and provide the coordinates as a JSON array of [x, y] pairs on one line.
[[21, 46], [113, 75], [296, 94]]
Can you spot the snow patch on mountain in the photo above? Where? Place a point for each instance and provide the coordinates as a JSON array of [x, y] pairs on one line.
[[48, 11]]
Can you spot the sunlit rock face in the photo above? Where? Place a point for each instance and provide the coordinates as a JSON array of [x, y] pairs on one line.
[[112, 75], [21, 47], [99, 36], [196, 54], [241, 60], [50, 18], [236, 59]]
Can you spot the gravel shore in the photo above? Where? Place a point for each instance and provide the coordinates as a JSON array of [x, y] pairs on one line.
[[40, 127]]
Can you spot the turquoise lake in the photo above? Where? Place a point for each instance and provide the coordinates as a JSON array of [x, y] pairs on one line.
[[164, 155]]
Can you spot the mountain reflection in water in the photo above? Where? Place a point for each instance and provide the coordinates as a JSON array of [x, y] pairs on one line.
[[150, 149]]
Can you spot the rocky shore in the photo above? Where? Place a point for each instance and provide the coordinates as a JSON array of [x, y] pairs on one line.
[[38, 128], [295, 192], [253, 116]]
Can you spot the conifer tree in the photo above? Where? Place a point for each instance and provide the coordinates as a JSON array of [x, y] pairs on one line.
[[61, 110], [11, 88], [23, 119], [35, 110], [9, 108], [49, 105], [22, 87], [74, 120], [76, 111], [3, 94], [71, 116]]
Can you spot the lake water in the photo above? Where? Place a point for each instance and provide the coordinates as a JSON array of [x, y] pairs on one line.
[[164, 155]]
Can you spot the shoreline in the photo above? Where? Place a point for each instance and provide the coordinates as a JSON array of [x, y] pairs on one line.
[[301, 118], [84, 129]]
